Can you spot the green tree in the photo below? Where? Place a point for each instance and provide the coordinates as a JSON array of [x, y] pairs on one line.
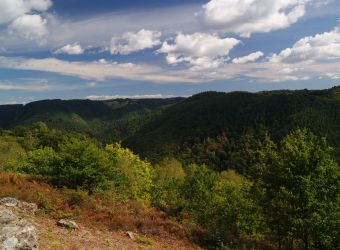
[[301, 188], [134, 177], [168, 179], [77, 164], [198, 190]]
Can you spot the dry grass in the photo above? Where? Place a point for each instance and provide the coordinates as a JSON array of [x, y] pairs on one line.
[[97, 215]]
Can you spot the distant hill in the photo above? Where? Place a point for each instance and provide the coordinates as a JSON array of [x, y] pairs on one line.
[[156, 128], [106, 120], [211, 114]]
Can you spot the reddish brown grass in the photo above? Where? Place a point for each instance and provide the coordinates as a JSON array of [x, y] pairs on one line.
[[97, 211]]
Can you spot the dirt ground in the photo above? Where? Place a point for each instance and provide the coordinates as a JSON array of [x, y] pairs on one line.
[[54, 237]]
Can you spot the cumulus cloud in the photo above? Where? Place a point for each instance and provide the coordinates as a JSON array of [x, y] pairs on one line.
[[132, 42], [247, 17], [12, 9], [23, 19], [199, 50], [29, 26], [249, 58], [70, 49], [321, 47]]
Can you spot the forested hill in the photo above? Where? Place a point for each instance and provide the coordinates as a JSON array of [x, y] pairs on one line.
[[105, 120], [204, 128], [185, 127]]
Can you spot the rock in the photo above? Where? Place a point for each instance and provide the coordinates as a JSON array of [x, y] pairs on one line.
[[9, 202], [16, 233], [7, 216], [28, 207], [131, 235], [68, 224], [14, 203]]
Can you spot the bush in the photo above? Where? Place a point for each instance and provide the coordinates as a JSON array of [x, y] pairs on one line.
[[77, 164], [168, 179], [133, 176]]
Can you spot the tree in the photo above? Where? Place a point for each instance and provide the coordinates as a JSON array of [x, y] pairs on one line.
[[77, 164], [198, 190], [134, 177], [301, 188], [168, 179]]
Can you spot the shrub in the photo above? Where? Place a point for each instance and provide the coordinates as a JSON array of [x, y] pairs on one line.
[[134, 177]]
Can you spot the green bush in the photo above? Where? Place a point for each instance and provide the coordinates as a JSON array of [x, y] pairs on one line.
[[133, 176], [168, 179]]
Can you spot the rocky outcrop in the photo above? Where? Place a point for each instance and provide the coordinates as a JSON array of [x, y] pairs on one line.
[[16, 233], [18, 205]]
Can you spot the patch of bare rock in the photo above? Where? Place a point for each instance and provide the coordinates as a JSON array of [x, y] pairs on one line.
[[16, 233]]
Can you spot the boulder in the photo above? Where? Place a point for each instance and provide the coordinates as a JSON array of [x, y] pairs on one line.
[[21, 205], [16, 233], [9, 202]]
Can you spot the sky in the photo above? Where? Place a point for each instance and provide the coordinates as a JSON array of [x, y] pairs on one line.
[[85, 49]]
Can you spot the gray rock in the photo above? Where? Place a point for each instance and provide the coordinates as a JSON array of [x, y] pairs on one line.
[[28, 207], [22, 205], [16, 233], [131, 235], [68, 224], [7, 216], [9, 202]]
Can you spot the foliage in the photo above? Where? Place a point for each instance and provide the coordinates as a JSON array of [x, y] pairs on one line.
[[168, 179], [75, 161], [283, 192], [300, 185], [133, 175], [9, 151], [211, 128], [77, 164]]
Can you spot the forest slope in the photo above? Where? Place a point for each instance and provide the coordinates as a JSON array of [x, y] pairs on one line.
[[157, 128], [211, 114]]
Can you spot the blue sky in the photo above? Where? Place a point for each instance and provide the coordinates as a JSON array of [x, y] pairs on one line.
[[152, 48]]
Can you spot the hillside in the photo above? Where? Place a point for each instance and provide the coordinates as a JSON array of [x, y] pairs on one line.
[[106, 120], [211, 114], [156, 128], [108, 189], [98, 227]]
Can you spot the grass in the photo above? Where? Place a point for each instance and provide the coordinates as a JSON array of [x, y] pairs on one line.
[[96, 210], [143, 239]]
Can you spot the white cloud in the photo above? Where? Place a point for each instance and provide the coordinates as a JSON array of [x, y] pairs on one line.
[[70, 49], [321, 47], [110, 97], [264, 71], [97, 30], [245, 17], [132, 42], [333, 76], [42, 85], [199, 50], [276, 72], [249, 58], [12, 9], [29, 26], [38, 5], [23, 22], [98, 70]]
